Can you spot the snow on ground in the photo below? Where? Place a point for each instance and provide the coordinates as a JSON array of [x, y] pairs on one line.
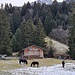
[[69, 69]]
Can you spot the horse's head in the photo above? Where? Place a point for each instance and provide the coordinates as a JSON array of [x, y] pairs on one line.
[[26, 62]]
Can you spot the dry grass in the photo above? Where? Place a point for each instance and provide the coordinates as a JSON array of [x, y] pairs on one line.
[[13, 64], [57, 46], [48, 61], [9, 64]]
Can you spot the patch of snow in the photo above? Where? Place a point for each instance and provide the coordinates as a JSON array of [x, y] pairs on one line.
[[69, 69]]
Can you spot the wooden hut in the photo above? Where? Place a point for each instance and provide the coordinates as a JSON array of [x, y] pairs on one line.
[[32, 52]]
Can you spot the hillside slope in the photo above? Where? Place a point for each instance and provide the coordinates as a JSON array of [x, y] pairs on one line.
[[59, 48]]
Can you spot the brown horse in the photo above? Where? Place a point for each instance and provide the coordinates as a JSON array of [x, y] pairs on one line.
[[63, 64], [23, 60], [35, 63]]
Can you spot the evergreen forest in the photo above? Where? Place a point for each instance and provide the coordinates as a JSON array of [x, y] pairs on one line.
[[29, 24]]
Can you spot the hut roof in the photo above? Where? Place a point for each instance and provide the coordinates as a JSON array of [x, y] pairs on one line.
[[33, 45]]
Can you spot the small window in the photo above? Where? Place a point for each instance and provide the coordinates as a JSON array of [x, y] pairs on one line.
[[30, 49]]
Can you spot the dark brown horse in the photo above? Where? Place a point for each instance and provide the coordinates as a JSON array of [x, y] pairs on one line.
[[63, 64], [35, 63], [23, 60]]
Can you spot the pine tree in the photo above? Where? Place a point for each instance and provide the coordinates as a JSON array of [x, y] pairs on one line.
[[28, 15], [1, 6], [15, 20], [5, 34], [55, 7], [49, 23], [39, 35], [71, 42], [27, 31], [23, 11], [16, 45], [10, 8], [7, 7]]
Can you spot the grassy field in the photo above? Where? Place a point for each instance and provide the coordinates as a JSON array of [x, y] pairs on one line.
[[13, 64]]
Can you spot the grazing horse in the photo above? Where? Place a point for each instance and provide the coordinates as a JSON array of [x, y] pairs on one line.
[[23, 60], [35, 63]]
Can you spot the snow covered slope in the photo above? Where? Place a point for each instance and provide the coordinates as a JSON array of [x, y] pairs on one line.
[[69, 69]]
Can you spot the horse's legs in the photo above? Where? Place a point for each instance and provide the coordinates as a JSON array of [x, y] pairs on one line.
[[19, 61], [37, 65], [31, 64], [24, 62]]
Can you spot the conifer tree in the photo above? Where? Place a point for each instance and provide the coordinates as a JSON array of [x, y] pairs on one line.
[[71, 42], [16, 45], [15, 20], [5, 34], [27, 31], [39, 35], [49, 23]]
